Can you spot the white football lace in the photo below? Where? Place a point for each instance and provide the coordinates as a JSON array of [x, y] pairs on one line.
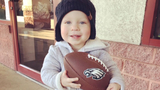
[[96, 59]]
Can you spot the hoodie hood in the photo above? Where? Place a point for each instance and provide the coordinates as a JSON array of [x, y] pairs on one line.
[[90, 45]]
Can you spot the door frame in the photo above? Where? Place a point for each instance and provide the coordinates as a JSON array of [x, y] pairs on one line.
[[20, 67]]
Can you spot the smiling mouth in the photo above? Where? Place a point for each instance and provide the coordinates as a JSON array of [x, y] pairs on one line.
[[75, 36]]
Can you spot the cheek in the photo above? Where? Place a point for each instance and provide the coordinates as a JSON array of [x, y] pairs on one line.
[[63, 32], [88, 32]]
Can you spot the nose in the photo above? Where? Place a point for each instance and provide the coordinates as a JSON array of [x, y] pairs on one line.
[[75, 27]]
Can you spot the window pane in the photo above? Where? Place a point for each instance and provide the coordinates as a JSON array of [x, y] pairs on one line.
[[157, 27], [35, 24], [2, 10]]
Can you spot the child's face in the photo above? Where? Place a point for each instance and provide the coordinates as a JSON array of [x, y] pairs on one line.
[[75, 28]]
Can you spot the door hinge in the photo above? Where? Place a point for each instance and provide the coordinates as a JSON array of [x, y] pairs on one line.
[[9, 27], [11, 8]]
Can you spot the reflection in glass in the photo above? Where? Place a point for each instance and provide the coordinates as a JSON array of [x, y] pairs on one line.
[[35, 25], [2, 10], [157, 28]]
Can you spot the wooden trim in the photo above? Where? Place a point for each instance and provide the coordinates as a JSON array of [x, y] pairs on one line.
[[19, 67], [30, 72], [148, 21], [154, 42], [14, 32], [5, 22], [149, 24]]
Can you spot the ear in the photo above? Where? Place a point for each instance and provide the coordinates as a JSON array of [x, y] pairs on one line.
[[90, 16]]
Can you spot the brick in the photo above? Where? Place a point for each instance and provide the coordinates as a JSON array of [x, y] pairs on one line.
[[155, 73], [138, 69], [7, 60], [155, 86], [157, 57], [1, 40], [7, 46], [132, 83], [4, 32], [134, 52], [142, 70], [117, 49], [10, 46], [2, 45], [140, 53], [119, 63]]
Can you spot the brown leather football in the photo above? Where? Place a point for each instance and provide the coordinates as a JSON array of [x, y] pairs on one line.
[[91, 71]]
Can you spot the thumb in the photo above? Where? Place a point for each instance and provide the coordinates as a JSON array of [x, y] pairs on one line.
[[109, 87], [65, 74]]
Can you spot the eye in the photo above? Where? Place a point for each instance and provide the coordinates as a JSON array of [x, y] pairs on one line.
[[67, 22], [82, 22]]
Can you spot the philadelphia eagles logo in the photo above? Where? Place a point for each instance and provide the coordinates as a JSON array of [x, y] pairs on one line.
[[95, 73]]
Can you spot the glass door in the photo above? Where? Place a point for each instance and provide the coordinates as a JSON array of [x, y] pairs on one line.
[[35, 33]]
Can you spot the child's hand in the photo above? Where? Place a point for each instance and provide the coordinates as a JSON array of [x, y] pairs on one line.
[[114, 86], [68, 82]]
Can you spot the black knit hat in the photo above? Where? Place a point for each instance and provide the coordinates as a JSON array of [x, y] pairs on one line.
[[66, 6]]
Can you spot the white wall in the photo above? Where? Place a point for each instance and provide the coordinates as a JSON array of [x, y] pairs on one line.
[[7, 10], [120, 20]]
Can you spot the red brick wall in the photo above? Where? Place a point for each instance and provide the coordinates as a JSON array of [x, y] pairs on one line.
[[140, 65], [6, 47]]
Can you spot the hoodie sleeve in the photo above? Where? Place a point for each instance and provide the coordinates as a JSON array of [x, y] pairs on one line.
[[116, 74], [51, 70]]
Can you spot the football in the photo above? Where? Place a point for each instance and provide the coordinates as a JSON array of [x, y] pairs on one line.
[[93, 74]]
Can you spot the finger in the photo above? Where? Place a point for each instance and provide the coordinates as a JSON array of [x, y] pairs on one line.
[[64, 79], [109, 87], [73, 79], [73, 85], [64, 74]]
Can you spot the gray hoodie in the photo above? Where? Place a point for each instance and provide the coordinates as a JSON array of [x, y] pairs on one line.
[[53, 63]]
